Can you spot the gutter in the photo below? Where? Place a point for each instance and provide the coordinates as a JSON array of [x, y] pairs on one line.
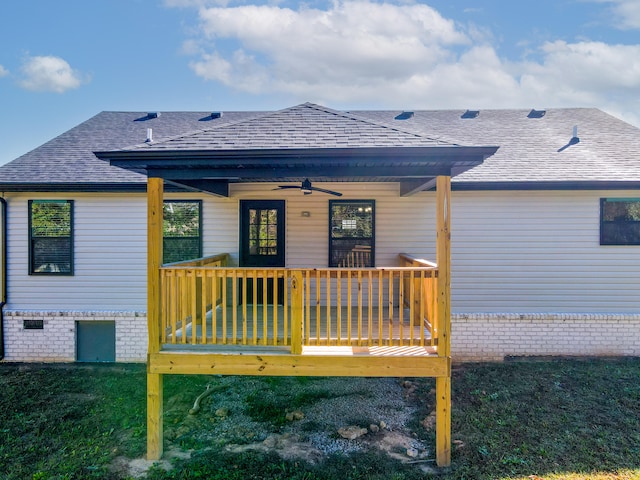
[[3, 272]]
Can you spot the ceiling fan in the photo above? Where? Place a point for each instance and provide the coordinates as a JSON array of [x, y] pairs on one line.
[[307, 188]]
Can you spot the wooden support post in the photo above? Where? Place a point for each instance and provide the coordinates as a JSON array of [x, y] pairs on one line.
[[297, 290], [443, 420], [443, 256], [155, 192], [154, 416]]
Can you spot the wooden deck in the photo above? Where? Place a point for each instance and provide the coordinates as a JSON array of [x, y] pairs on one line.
[[318, 334]]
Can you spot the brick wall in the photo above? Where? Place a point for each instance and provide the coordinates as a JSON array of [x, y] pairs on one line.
[[492, 336], [56, 341], [475, 337]]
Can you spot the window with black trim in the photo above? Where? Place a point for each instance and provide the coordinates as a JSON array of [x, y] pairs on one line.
[[51, 237], [352, 233], [620, 221], [182, 230]]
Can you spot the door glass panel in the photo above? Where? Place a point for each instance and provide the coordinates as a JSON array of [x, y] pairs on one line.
[[263, 231]]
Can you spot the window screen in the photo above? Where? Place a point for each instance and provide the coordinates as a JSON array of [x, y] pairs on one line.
[[620, 221], [182, 230], [51, 237], [352, 233]]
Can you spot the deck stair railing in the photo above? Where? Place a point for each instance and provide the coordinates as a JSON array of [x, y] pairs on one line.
[[205, 302]]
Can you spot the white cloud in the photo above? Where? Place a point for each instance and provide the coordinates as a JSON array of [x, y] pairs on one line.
[[3, 71], [352, 42], [627, 13], [405, 55], [49, 74]]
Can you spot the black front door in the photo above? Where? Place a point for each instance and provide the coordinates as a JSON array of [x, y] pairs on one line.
[[262, 241]]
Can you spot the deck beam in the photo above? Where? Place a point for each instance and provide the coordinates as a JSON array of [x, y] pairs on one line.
[[306, 364]]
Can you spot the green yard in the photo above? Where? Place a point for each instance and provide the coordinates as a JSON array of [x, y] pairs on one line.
[[552, 419]]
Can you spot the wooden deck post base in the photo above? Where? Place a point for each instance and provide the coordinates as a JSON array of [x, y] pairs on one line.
[[154, 416], [443, 421]]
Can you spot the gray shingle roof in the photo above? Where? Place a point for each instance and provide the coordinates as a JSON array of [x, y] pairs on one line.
[[536, 149], [302, 126], [531, 149]]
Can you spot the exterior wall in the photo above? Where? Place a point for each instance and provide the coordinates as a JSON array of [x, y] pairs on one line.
[[109, 256], [539, 252], [56, 342], [489, 337], [527, 266]]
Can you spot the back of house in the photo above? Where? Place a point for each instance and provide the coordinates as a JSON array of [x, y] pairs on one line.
[[545, 233]]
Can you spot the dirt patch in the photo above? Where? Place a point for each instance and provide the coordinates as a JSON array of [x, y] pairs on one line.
[[296, 418]]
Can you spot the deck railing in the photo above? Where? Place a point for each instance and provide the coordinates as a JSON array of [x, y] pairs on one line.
[[208, 303]]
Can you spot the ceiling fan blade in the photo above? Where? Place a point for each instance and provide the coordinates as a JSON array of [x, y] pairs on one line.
[[307, 188], [330, 192]]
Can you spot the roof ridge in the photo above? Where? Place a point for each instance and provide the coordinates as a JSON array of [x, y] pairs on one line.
[[352, 116], [262, 115]]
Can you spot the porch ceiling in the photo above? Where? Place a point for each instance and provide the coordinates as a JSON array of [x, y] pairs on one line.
[[212, 170]]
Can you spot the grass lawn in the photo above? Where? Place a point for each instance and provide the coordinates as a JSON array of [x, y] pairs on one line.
[[552, 419]]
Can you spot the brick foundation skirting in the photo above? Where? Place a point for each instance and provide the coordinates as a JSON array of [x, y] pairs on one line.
[[50, 336], [493, 336], [474, 337]]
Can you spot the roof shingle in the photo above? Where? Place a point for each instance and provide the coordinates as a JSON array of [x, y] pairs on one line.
[[531, 149]]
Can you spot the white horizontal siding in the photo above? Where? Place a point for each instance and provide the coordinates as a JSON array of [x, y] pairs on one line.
[[531, 252], [109, 256], [538, 252], [402, 224]]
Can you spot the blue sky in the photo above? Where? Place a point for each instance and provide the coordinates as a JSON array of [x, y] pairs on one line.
[[63, 61]]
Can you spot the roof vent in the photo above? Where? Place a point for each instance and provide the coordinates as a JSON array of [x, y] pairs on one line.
[[149, 135], [470, 114], [151, 115], [536, 113], [215, 115], [404, 116]]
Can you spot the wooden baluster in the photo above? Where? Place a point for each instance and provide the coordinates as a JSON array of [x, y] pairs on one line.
[[401, 307], [214, 307], [328, 308], [391, 278], [175, 305], [318, 311], [275, 307], [349, 307], [255, 307], [296, 312], [204, 291], [286, 305], [370, 308], [223, 282], [265, 302], [234, 303], [412, 305], [422, 309], [245, 285], [359, 307], [380, 305], [339, 305], [307, 289], [194, 307]]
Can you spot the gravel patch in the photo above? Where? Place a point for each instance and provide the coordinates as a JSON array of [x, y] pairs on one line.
[[252, 412]]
